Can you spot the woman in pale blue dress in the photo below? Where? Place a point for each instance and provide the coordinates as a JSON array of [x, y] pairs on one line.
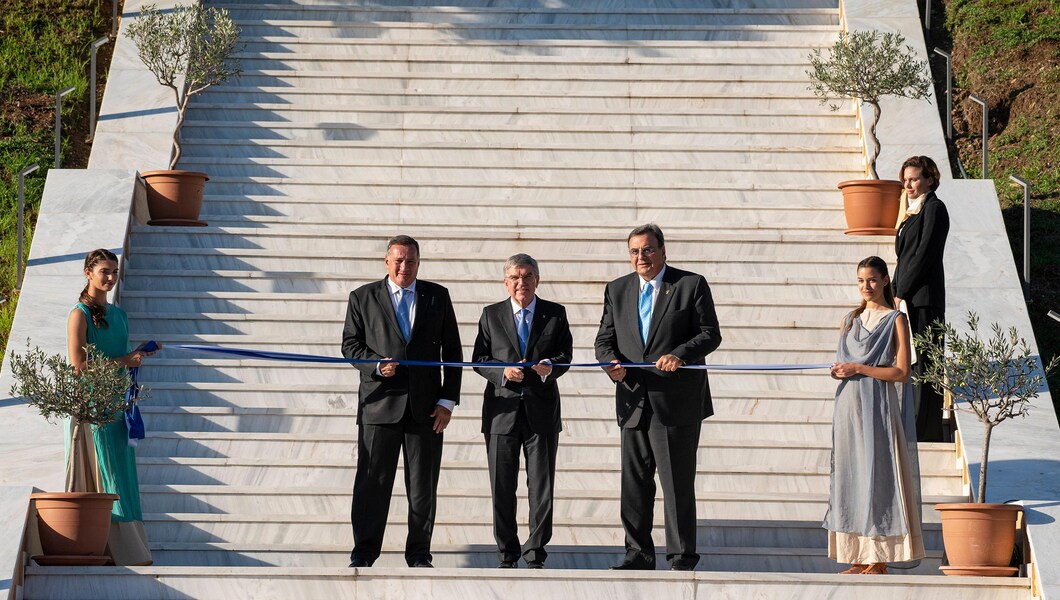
[[94, 321], [874, 498]]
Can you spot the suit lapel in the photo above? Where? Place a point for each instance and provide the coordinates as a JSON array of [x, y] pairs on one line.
[[633, 298], [423, 300], [382, 296], [541, 317], [661, 302], [508, 324]]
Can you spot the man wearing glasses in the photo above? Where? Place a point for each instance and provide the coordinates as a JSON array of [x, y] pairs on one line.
[[666, 316], [520, 407]]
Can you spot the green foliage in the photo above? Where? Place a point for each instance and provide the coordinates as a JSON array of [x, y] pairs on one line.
[[44, 44], [193, 42], [994, 379], [869, 65], [50, 384], [1000, 26]]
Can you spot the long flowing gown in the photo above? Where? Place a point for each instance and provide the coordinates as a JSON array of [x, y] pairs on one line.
[[127, 544], [874, 513]]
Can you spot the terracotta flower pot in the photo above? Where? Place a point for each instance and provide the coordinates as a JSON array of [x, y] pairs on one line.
[[979, 538], [871, 206], [175, 197], [73, 526]]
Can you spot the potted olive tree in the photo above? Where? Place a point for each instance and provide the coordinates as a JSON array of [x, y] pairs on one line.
[[994, 379], [74, 525], [187, 49], [867, 66]]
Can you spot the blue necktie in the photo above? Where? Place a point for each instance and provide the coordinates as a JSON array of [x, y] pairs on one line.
[[645, 311], [524, 330], [403, 312]]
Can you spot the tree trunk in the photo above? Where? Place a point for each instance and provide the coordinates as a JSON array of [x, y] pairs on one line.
[[82, 470], [982, 463], [872, 138]]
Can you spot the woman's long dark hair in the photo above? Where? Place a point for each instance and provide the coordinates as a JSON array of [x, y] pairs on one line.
[[880, 266], [95, 309]]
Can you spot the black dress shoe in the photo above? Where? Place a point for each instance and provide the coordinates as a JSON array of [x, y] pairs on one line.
[[359, 562], [535, 564], [636, 563], [421, 563], [683, 564], [507, 564]]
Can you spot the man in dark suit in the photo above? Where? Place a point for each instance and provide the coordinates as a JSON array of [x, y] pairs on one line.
[[920, 280], [666, 316], [521, 407], [395, 319]]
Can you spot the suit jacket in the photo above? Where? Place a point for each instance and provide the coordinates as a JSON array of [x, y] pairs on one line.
[[683, 323], [371, 332], [919, 277], [550, 338]]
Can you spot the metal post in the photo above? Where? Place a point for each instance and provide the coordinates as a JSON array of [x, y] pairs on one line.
[[949, 92], [1026, 235], [114, 19], [59, 122], [986, 133], [92, 87], [1054, 315], [927, 15], [21, 219]]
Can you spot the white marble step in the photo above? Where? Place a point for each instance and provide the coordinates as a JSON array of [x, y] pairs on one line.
[[339, 583], [264, 331], [527, 15], [326, 260], [504, 99], [510, 174], [530, 5], [569, 504], [537, 238], [240, 305], [797, 560], [178, 395], [736, 28], [714, 478], [477, 530], [243, 434]]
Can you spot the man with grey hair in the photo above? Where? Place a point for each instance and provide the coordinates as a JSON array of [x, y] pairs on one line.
[[662, 315], [521, 406]]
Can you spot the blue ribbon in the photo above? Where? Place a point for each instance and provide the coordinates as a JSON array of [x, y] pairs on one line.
[[314, 358]]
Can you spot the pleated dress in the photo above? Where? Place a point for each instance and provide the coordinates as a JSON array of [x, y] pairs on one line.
[[874, 513]]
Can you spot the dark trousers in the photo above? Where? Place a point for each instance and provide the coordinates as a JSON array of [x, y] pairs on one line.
[[539, 451], [378, 447], [927, 400], [673, 451]]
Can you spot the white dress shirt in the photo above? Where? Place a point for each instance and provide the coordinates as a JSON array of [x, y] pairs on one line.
[[655, 284], [446, 404]]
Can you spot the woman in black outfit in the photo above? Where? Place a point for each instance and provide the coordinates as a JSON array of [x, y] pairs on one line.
[[919, 278]]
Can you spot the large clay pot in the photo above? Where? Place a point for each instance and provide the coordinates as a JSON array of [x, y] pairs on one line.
[[871, 206], [175, 197], [979, 538], [73, 526]]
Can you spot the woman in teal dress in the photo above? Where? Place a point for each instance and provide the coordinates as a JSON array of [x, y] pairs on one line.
[[94, 321]]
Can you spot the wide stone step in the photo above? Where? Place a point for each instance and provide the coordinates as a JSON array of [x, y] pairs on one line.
[[189, 396], [395, 31], [338, 174], [644, 99], [164, 529], [339, 583], [534, 17], [368, 264], [569, 504], [468, 474], [600, 5]]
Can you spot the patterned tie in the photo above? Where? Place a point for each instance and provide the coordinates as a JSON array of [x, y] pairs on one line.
[[524, 330], [403, 312], [645, 311]]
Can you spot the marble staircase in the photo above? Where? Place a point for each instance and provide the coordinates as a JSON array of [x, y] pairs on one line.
[[486, 128]]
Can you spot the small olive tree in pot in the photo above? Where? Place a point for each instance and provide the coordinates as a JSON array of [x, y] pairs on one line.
[[868, 66], [187, 49], [93, 397], [995, 379]]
